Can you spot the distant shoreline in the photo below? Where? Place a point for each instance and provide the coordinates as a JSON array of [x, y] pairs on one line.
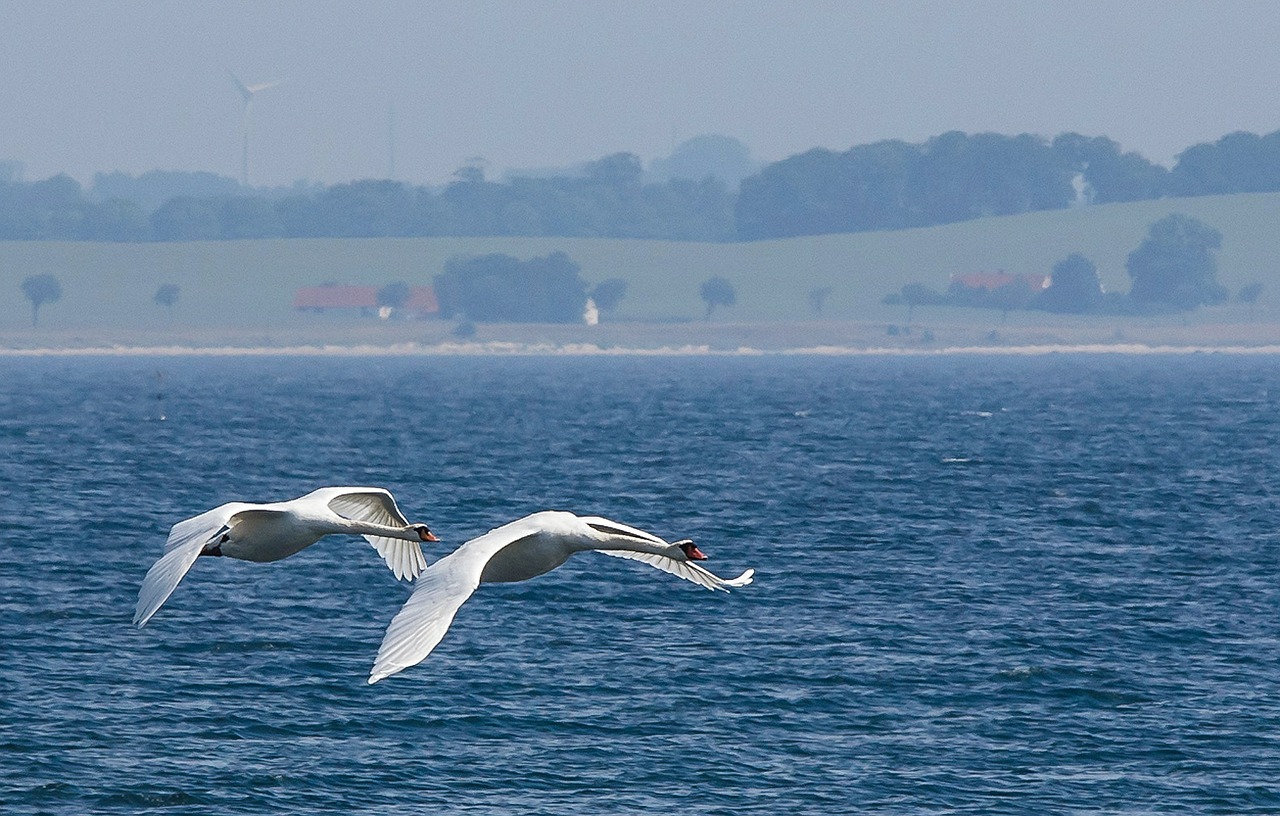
[[588, 350], [973, 336]]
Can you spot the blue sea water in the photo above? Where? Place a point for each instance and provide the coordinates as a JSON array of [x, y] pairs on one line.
[[985, 585]]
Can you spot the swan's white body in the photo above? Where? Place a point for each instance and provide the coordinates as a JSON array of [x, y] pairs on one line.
[[269, 532], [518, 551]]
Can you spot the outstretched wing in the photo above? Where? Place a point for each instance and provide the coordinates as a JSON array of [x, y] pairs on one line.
[[420, 624], [373, 504], [688, 570], [186, 540], [442, 588]]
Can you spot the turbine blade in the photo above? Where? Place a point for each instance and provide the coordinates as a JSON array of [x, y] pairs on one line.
[[262, 86], [240, 86]]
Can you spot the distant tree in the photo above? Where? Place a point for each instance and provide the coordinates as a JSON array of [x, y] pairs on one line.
[[818, 299], [1249, 293], [1073, 288], [893, 185], [917, 294], [1110, 175], [1175, 266], [472, 172], [721, 157], [114, 220], [52, 209], [167, 295], [717, 291], [187, 219], [475, 205], [619, 170], [40, 289], [1009, 297], [608, 294], [363, 209], [394, 295], [820, 191], [154, 187], [498, 287], [241, 217], [1237, 163], [964, 176]]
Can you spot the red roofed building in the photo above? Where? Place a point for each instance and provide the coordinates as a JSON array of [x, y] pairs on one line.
[[421, 302], [991, 281], [319, 298]]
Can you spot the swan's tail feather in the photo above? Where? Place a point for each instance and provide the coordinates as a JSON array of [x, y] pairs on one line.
[[162, 579]]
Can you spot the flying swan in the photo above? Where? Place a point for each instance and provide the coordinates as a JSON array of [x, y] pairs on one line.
[[518, 551], [269, 532]]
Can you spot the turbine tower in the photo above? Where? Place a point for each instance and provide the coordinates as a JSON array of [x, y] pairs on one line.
[[246, 93]]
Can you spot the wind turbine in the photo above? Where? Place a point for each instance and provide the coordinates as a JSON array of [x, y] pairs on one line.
[[247, 92]]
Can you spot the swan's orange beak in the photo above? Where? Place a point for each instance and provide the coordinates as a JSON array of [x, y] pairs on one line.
[[691, 550], [427, 535]]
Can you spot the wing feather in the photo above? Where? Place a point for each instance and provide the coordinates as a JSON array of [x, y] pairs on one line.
[[421, 623], [186, 540], [378, 506], [442, 588], [688, 570]]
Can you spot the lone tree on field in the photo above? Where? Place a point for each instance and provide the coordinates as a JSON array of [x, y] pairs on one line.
[[166, 296], [917, 294], [818, 299], [40, 289], [717, 291], [1175, 267]]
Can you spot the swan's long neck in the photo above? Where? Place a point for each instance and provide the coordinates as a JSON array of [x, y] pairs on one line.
[[611, 535], [630, 544], [357, 527]]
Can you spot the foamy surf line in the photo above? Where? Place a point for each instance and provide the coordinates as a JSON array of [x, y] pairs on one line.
[[587, 349]]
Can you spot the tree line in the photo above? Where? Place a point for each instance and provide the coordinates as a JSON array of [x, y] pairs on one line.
[[884, 185], [888, 184], [608, 199]]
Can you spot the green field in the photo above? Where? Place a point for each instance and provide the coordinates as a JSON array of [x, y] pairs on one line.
[[249, 284]]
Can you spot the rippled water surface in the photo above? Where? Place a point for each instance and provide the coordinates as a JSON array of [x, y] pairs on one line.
[[986, 585]]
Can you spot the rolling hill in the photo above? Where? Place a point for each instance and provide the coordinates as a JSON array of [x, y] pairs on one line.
[[250, 283]]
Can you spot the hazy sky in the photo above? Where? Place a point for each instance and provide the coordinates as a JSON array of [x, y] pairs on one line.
[[135, 86]]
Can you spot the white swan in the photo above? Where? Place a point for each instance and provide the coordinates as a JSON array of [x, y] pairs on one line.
[[518, 551], [269, 532]]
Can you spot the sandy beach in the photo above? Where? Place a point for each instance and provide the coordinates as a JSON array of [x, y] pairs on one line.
[[1019, 336]]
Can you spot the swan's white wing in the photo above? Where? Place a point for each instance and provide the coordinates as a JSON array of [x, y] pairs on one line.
[[186, 540], [688, 570], [442, 588], [373, 504], [420, 624]]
